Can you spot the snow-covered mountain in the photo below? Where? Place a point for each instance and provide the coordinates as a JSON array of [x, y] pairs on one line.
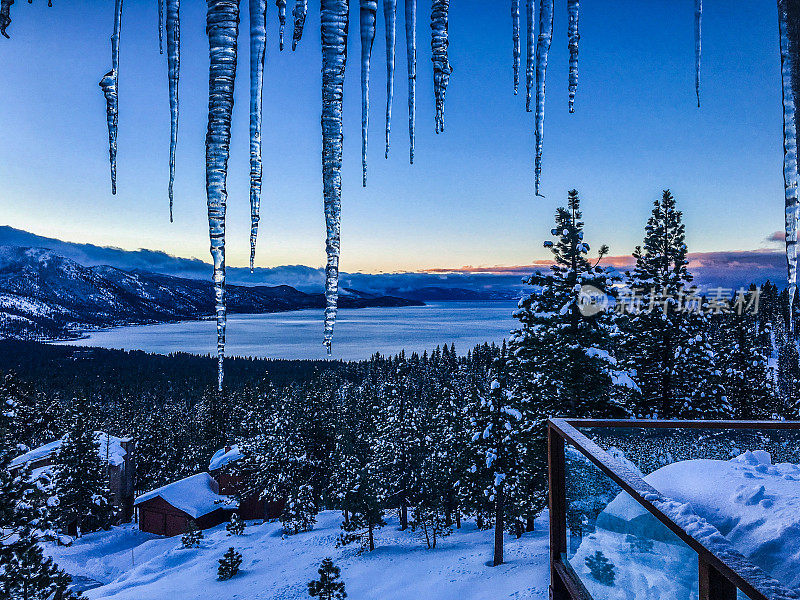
[[45, 295], [413, 285]]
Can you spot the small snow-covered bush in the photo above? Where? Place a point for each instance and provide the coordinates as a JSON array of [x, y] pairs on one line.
[[191, 538], [328, 586], [236, 526], [229, 565], [601, 568]]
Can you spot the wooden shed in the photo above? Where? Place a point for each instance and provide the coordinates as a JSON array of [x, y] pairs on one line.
[[168, 509]]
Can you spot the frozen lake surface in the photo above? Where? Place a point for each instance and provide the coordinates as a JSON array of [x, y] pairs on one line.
[[359, 333]]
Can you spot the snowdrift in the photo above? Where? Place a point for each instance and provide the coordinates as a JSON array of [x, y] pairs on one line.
[[755, 504]]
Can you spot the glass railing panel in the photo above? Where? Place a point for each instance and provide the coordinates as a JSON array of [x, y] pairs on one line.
[[617, 549], [745, 482]]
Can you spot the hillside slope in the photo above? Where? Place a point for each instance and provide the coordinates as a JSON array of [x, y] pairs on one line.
[[45, 295], [137, 566]]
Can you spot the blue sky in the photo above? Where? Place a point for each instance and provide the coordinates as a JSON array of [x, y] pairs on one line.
[[467, 200]]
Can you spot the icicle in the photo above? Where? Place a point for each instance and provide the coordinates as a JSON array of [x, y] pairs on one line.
[[515, 42], [542, 49], [161, 26], [335, 20], [5, 16], [299, 13], [411, 56], [530, 59], [258, 35], [790, 173], [368, 10], [441, 66], [574, 37], [222, 27], [390, 18], [698, 29], [174, 69], [109, 86], [281, 4]]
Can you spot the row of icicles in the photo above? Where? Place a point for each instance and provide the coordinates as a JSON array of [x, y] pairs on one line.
[[222, 29]]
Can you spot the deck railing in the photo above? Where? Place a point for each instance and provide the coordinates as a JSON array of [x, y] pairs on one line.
[[691, 556]]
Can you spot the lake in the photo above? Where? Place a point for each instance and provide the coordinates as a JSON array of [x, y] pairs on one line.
[[359, 333]]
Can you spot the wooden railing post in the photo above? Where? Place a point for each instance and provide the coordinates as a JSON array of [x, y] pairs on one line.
[[713, 586], [557, 502]]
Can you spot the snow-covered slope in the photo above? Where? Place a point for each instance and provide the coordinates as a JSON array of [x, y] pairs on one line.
[[140, 566]]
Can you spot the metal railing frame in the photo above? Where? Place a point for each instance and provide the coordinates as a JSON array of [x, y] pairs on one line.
[[721, 571]]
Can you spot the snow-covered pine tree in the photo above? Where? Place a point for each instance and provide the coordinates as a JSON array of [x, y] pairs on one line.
[[562, 358], [357, 483], [437, 478], [236, 525], [25, 573], [289, 457], [396, 429], [328, 586], [37, 416], [495, 485], [747, 377], [192, 536], [300, 511], [666, 335], [82, 495], [229, 564]]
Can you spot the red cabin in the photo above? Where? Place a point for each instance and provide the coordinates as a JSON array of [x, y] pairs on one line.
[[168, 509]]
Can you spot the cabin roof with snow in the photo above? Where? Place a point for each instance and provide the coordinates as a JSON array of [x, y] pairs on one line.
[[225, 456], [110, 446], [195, 495]]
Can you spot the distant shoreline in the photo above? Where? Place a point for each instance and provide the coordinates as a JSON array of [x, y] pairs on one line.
[[297, 335]]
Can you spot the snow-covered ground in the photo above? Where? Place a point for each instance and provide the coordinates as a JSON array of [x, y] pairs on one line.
[[139, 566], [755, 504]]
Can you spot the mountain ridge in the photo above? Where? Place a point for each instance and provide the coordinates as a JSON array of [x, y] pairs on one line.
[[44, 295], [420, 286]]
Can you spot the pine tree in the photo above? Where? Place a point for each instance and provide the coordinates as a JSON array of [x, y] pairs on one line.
[[666, 341], [24, 571], [357, 483], [36, 417], [288, 457], [563, 356], [300, 511], [561, 360], [26, 574], [397, 428], [236, 526], [81, 481], [229, 564], [192, 536], [747, 377], [496, 483], [328, 586]]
